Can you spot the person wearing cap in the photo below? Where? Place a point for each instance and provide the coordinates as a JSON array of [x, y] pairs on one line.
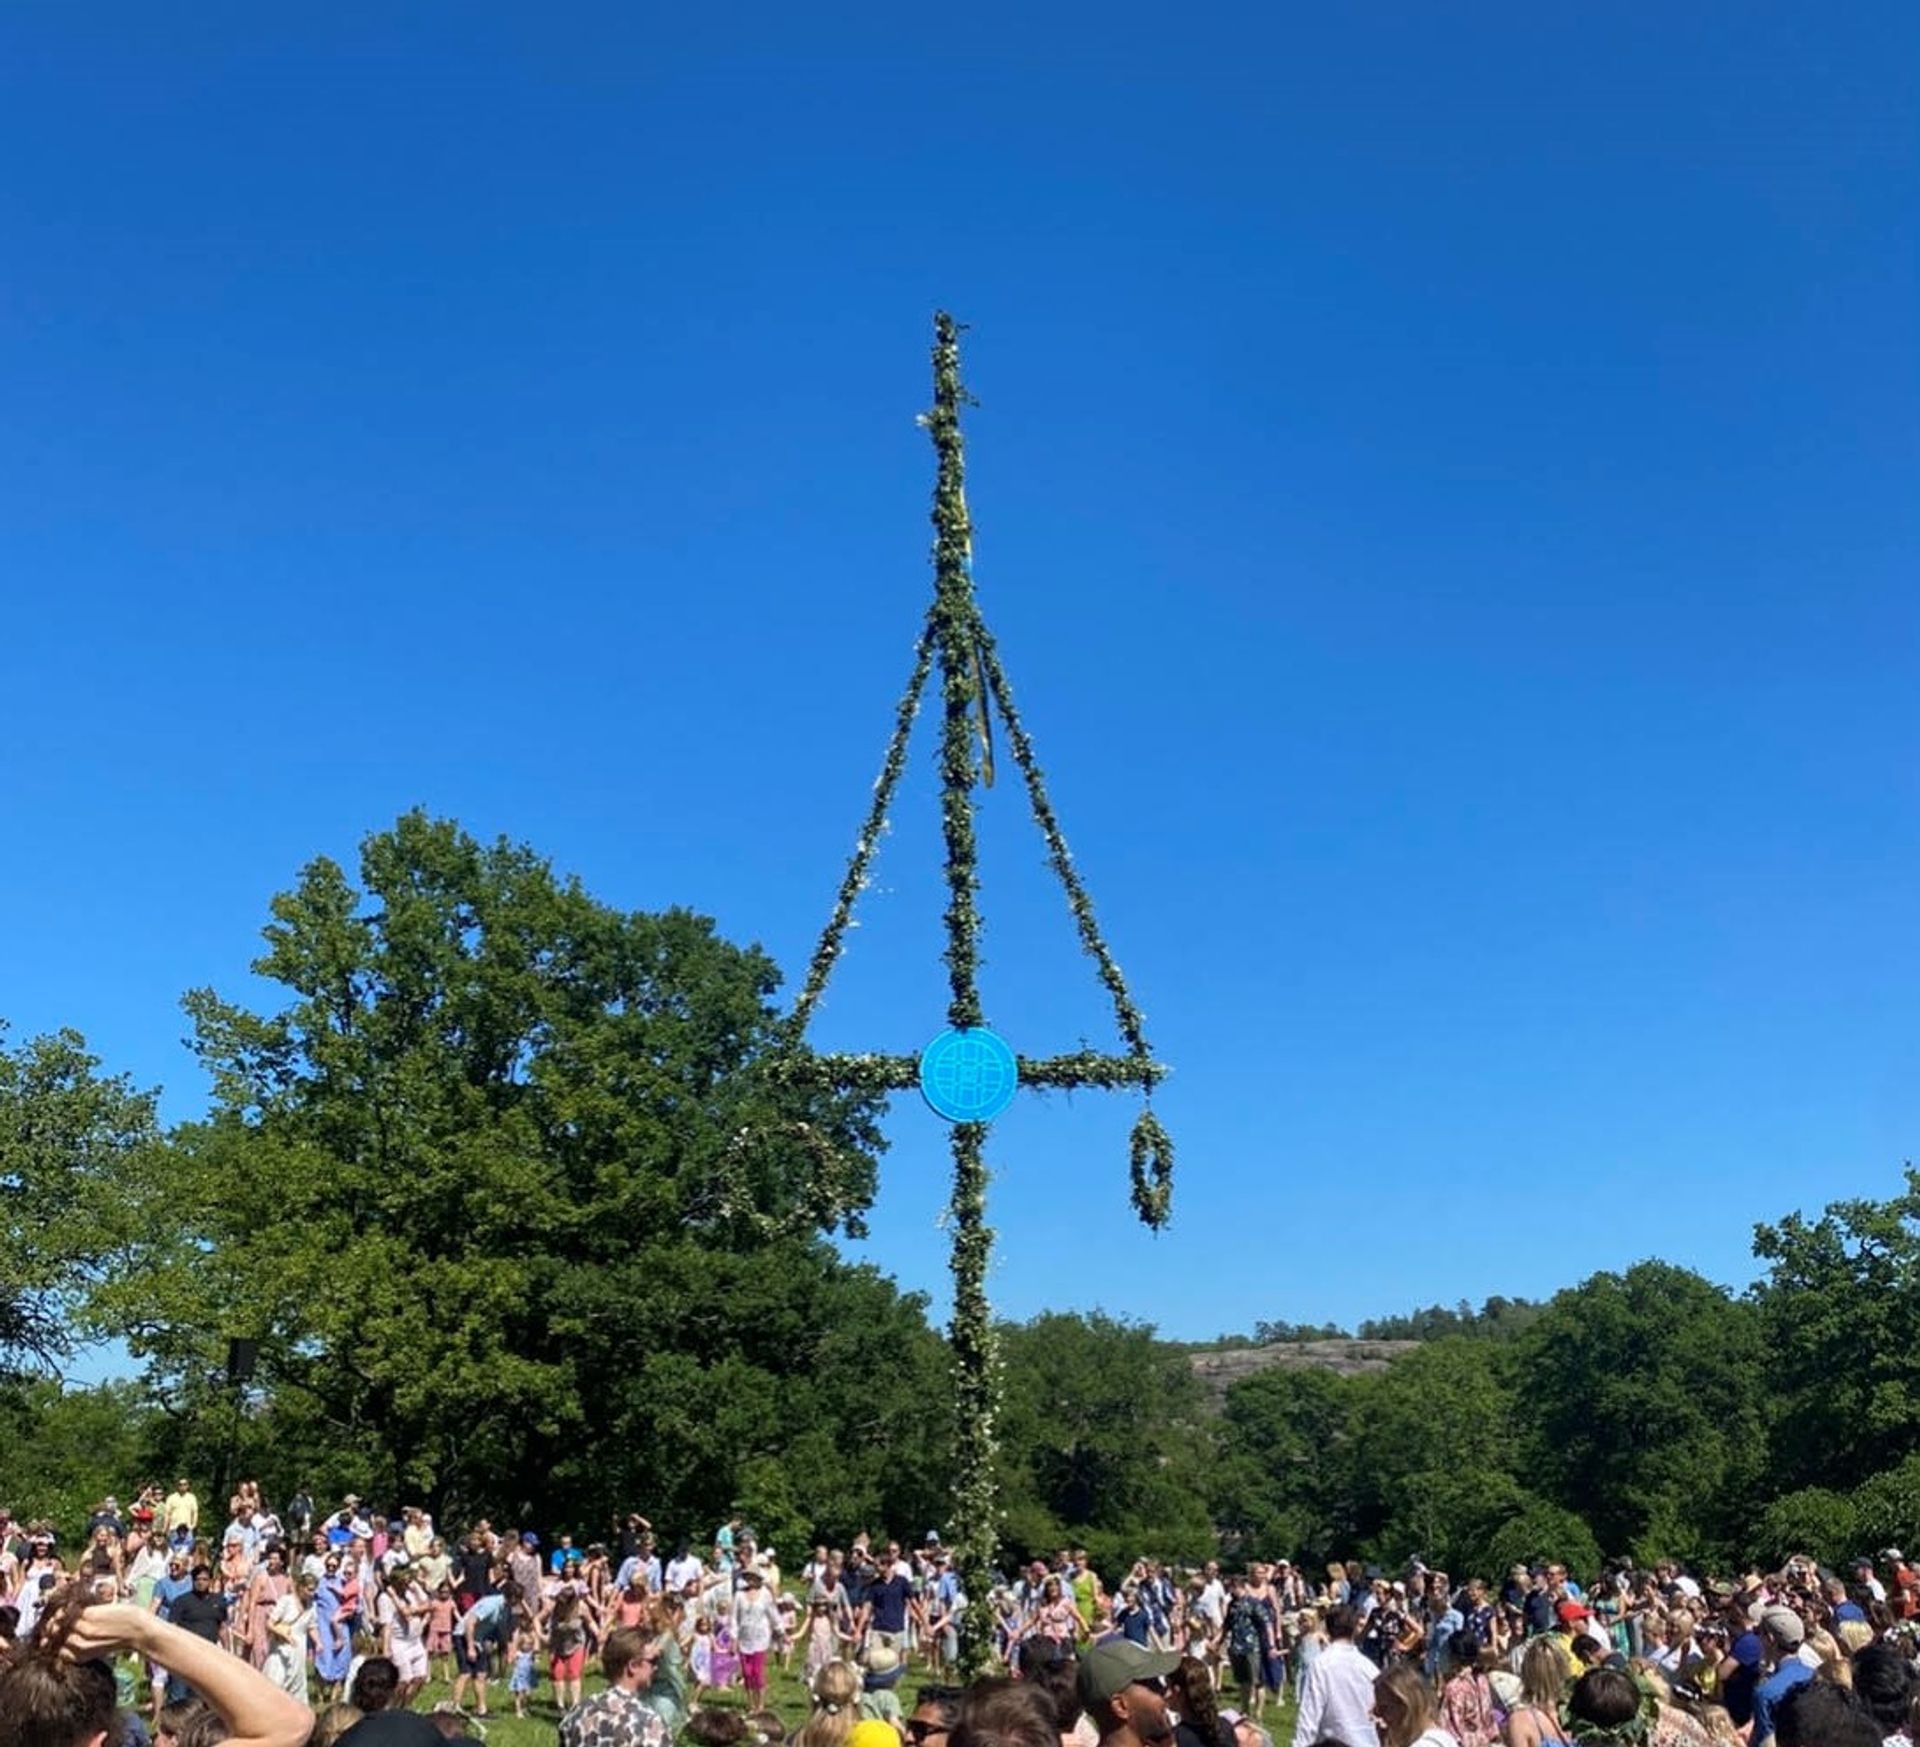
[[1336, 1697], [1571, 1620], [1781, 1635], [1124, 1689]]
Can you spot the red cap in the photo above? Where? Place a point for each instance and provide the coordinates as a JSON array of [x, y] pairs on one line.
[[1569, 1611]]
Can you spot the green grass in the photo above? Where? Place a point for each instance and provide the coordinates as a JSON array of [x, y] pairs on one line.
[[786, 1693]]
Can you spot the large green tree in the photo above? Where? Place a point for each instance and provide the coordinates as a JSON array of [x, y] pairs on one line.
[[1104, 1440], [1282, 1487], [515, 1215], [1432, 1452], [1641, 1399], [71, 1140], [1840, 1306]]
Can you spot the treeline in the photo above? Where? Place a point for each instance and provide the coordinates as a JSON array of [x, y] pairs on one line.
[[523, 1224], [1497, 1319]]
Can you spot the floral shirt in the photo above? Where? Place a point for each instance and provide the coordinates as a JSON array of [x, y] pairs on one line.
[[1466, 1710], [612, 1718]]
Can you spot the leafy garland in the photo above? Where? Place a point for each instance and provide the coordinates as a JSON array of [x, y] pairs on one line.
[[833, 937], [973, 686]]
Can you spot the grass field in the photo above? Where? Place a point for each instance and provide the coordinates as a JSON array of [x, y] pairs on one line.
[[786, 1693]]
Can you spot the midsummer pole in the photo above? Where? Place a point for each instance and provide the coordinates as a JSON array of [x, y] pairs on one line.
[[969, 1074]]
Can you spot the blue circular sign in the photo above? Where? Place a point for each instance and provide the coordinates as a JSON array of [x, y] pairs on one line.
[[969, 1076]]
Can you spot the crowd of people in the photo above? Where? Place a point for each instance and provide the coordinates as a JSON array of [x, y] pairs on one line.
[[291, 1625]]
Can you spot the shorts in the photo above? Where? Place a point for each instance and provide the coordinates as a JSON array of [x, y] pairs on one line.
[[410, 1660], [753, 1670], [480, 1661], [568, 1667]]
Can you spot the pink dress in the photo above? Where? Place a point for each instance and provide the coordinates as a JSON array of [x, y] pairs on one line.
[[440, 1615], [263, 1596]]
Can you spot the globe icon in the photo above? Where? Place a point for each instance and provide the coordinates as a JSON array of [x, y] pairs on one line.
[[969, 1076]]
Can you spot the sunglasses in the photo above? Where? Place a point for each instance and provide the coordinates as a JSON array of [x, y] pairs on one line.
[[1153, 1683], [926, 1731]]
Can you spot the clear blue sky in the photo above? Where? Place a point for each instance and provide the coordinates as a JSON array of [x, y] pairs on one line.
[[1446, 493]]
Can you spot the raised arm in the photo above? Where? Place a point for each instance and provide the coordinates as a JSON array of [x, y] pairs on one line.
[[257, 1713]]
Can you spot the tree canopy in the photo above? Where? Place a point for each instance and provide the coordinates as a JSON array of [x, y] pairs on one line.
[[504, 1199]]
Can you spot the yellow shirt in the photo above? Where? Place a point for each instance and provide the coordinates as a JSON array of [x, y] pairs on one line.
[[181, 1511]]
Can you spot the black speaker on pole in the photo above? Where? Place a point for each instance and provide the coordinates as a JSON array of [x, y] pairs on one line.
[[240, 1359]]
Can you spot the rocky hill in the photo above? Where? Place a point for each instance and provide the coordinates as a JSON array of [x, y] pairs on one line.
[[1219, 1368]]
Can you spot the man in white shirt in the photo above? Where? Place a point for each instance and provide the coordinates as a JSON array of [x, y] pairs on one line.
[[1212, 1602], [1336, 1698], [682, 1569]]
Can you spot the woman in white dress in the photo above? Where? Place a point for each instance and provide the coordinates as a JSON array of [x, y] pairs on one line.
[[290, 1627]]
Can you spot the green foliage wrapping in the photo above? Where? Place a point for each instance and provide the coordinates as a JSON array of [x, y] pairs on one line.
[[1088, 1070], [833, 936], [1150, 1160], [866, 1074], [957, 633], [1126, 1014], [1150, 1168], [976, 1394]]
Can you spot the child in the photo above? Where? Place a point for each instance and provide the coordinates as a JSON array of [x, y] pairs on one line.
[[700, 1658], [789, 1612], [725, 1657], [441, 1612], [877, 1698], [823, 1642], [526, 1640]]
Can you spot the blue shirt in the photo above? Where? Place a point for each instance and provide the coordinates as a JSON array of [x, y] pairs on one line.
[[1439, 1635], [1768, 1694], [1736, 1692], [169, 1590], [888, 1599]]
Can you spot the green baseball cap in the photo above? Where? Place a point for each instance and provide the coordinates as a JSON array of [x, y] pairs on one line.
[[1109, 1669]]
